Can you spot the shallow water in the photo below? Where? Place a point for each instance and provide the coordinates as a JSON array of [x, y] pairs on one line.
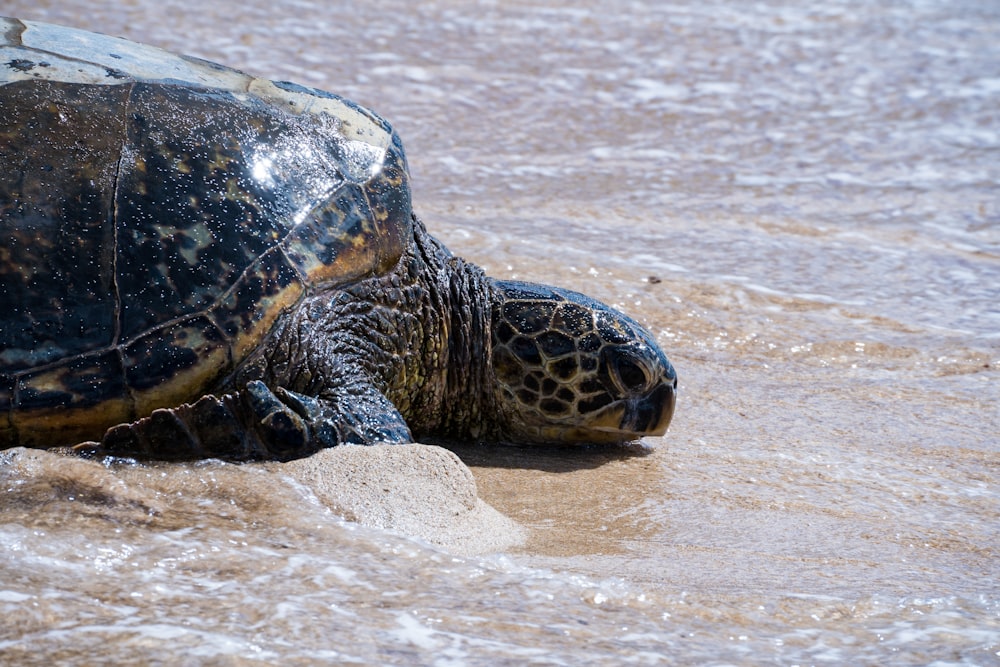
[[801, 202]]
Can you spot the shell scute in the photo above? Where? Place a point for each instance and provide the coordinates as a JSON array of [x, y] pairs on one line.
[[190, 213], [164, 364], [62, 401], [72, 383], [56, 202], [269, 287]]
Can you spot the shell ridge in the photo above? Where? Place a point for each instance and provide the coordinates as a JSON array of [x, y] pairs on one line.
[[210, 310], [281, 247], [119, 169], [162, 326], [116, 336]]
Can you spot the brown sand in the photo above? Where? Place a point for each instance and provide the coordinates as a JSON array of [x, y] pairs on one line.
[[417, 490], [420, 491]]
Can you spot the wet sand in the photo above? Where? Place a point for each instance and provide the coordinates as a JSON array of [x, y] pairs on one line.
[[418, 491]]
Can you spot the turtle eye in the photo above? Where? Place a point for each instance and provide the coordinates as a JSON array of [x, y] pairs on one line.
[[629, 374]]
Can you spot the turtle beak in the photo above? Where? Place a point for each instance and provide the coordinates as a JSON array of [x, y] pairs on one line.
[[650, 414], [634, 418]]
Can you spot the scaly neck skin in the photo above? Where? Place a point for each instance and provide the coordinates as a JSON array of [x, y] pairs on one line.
[[459, 401], [420, 335]]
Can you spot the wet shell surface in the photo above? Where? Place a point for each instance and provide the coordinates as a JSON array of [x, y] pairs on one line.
[[158, 214]]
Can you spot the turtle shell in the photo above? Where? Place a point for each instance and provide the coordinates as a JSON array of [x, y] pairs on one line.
[[158, 214]]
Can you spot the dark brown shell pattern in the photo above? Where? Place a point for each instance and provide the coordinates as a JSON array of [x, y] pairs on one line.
[[158, 214]]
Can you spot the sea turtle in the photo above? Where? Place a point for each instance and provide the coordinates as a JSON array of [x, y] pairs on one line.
[[222, 265]]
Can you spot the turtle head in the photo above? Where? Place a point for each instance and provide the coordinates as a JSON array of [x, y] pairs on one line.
[[571, 369]]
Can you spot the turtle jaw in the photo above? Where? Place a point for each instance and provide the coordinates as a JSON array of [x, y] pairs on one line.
[[624, 421], [650, 415]]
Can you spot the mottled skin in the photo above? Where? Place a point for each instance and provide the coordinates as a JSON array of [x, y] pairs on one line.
[[227, 266]]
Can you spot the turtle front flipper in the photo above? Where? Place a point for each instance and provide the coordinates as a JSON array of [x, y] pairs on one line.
[[254, 424]]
